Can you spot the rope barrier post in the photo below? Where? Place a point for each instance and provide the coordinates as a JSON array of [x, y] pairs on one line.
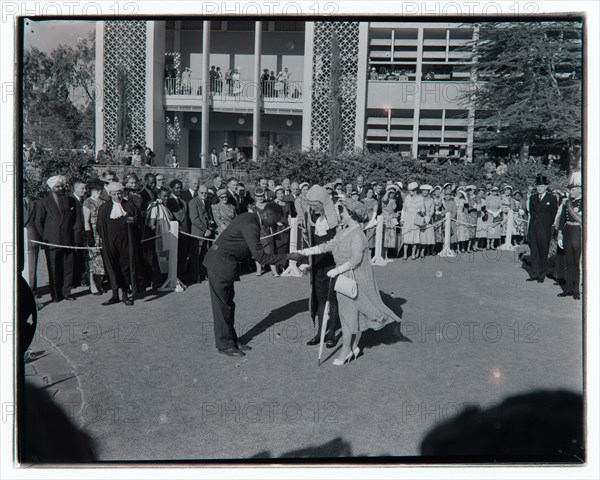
[[172, 282], [292, 270], [507, 245], [447, 251], [26, 258], [377, 258]]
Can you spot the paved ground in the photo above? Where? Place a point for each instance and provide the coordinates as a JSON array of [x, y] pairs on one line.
[[146, 382]]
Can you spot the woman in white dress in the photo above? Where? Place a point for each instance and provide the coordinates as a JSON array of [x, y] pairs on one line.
[[427, 234], [411, 220], [158, 218]]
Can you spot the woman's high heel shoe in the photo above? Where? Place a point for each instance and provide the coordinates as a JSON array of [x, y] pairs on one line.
[[337, 362], [356, 352]]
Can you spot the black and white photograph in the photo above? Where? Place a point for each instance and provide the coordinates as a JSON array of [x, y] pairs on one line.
[[305, 238]]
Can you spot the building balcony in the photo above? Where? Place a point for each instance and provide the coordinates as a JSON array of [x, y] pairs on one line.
[[234, 96]]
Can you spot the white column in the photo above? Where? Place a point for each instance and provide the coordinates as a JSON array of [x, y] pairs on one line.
[[362, 85], [417, 104], [258, 91], [378, 258], [100, 93], [204, 143], [447, 251], [307, 86], [172, 282]]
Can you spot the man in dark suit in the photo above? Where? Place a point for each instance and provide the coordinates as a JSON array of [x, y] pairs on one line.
[[214, 188], [147, 193], [232, 195], [290, 195], [107, 177], [179, 209], [542, 210], [58, 221], [200, 220], [192, 191], [570, 235], [240, 240]]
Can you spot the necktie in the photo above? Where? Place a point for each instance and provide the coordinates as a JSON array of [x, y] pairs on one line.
[[195, 194]]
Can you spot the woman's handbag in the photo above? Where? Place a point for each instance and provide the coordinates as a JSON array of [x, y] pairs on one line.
[[346, 286]]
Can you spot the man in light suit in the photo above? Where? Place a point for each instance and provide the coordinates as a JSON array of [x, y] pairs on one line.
[[179, 209], [58, 221], [200, 219], [542, 209]]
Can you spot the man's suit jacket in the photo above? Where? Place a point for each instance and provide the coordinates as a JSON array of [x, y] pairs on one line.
[[180, 212], [234, 200], [61, 227], [542, 212], [147, 199], [214, 191], [104, 195], [29, 207], [198, 211], [237, 242], [291, 201], [187, 196]]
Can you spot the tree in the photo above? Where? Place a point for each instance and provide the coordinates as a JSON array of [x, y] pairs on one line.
[[59, 95], [529, 89]]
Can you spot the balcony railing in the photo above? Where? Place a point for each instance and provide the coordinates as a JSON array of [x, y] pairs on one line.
[[245, 90]]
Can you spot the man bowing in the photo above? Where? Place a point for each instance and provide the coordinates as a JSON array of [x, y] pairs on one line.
[[238, 241]]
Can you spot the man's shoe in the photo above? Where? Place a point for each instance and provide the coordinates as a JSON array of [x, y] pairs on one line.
[[541, 280], [564, 294], [128, 302], [69, 298], [313, 341], [232, 352], [532, 279], [330, 343], [111, 301], [244, 348], [576, 296]]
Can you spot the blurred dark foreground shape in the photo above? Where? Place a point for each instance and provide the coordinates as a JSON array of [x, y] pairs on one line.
[[543, 426]]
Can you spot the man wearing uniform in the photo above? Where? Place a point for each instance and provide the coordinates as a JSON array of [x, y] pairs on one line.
[[238, 241], [570, 224], [542, 209]]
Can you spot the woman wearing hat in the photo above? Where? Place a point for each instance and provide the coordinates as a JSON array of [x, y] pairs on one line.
[[493, 210], [481, 228], [427, 234], [223, 212], [351, 253], [90, 218], [257, 207], [462, 223], [411, 220], [281, 241], [301, 204], [390, 219], [371, 203]]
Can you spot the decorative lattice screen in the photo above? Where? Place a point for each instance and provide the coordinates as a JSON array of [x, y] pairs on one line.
[[125, 47], [348, 45]]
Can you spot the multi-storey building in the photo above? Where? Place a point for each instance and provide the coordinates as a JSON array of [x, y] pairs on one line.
[[403, 86]]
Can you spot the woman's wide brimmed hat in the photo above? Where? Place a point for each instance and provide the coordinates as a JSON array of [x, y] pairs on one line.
[[413, 186], [426, 187], [278, 187], [221, 192], [319, 194], [303, 184]]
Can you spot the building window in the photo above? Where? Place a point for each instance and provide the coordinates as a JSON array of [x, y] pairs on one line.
[[289, 26]]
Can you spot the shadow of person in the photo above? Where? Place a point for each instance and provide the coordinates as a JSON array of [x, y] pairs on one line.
[[276, 316], [392, 332], [337, 447]]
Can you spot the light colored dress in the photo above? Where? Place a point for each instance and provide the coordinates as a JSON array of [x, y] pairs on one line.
[[96, 265], [223, 214], [427, 235], [162, 217], [494, 207], [367, 310], [462, 229], [410, 228], [390, 221], [481, 229]]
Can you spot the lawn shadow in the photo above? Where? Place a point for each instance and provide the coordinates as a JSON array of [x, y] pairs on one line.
[[391, 333], [338, 447], [276, 316]]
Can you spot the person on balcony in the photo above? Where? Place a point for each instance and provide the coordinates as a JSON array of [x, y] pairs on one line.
[[286, 82], [219, 81], [279, 85], [186, 81], [236, 80], [264, 83], [212, 75], [171, 159], [228, 83]]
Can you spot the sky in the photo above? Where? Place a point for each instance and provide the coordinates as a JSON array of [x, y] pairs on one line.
[[49, 34]]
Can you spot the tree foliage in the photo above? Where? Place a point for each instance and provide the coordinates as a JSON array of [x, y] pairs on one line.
[[59, 95], [529, 89], [320, 168]]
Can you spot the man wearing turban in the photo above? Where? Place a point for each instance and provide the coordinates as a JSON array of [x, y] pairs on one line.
[[118, 226], [323, 228], [58, 221]]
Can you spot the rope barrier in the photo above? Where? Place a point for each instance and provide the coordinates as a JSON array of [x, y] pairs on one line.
[[196, 236], [65, 246], [276, 233], [154, 237]]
